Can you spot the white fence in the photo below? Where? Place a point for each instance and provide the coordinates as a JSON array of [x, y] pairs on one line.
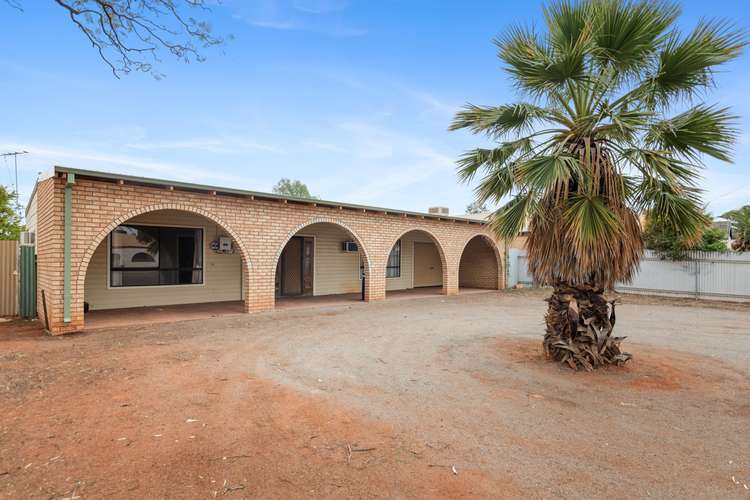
[[518, 269], [704, 274]]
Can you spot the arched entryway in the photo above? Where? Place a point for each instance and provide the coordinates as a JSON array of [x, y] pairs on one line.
[[321, 261], [162, 264], [416, 263], [480, 266]]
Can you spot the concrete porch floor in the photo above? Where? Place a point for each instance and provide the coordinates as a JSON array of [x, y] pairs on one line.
[[131, 316], [111, 318]]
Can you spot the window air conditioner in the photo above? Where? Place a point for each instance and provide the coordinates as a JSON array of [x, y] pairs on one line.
[[28, 238]]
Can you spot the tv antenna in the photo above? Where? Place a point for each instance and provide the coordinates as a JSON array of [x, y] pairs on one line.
[[15, 154]]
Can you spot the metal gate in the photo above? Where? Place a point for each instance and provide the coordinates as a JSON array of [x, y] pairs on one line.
[[27, 282]]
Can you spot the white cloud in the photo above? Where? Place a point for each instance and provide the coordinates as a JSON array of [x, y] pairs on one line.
[[397, 178], [217, 145], [320, 6], [275, 25], [323, 146], [44, 156], [384, 161], [316, 16], [432, 102]]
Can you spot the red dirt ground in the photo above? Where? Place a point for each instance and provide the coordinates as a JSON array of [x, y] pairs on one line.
[[255, 406], [154, 422], [652, 370]]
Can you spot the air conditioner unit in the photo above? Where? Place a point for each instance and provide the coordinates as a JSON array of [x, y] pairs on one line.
[[350, 246], [28, 238]]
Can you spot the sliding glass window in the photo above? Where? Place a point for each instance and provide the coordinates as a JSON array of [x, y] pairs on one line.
[[153, 256]]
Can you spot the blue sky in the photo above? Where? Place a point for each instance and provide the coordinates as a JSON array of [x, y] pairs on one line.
[[352, 98]]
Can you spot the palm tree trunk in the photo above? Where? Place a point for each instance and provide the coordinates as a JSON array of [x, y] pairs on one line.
[[580, 320]]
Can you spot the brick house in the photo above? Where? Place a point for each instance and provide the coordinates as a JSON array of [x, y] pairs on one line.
[[109, 241]]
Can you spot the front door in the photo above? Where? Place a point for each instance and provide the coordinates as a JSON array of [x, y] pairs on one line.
[[308, 263], [296, 269]]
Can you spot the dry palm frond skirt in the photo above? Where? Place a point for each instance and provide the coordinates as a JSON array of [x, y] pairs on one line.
[[579, 321]]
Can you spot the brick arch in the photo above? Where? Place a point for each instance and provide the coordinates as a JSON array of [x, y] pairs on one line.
[[492, 243], [324, 220], [438, 245], [84, 265]]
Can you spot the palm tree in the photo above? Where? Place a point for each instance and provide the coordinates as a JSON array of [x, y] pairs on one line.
[[612, 125]]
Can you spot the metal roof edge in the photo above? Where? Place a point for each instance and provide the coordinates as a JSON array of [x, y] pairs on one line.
[[258, 194], [50, 172], [31, 199]]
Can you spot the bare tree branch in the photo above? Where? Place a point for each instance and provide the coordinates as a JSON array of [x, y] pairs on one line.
[[129, 34], [15, 4]]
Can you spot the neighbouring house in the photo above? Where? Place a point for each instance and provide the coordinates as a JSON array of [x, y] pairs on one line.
[[110, 241], [726, 226]]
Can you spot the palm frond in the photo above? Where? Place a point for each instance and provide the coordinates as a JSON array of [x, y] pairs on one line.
[[662, 166], [678, 207], [508, 220], [701, 129], [626, 34], [685, 64], [589, 219], [567, 24], [623, 124], [497, 121], [535, 67], [560, 252], [471, 161], [542, 173]]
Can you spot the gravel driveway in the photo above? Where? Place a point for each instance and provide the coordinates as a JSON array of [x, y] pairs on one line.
[[436, 397]]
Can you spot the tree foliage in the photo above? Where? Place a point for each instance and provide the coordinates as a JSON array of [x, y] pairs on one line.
[[740, 219], [295, 188], [10, 220], [476, 207], [130, 35], [663, 239], [612, 124], [713, 239]]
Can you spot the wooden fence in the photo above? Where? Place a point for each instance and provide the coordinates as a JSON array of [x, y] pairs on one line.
[[8, 278]]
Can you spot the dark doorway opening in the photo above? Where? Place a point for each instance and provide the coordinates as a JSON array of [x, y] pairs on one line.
[[295, 270]]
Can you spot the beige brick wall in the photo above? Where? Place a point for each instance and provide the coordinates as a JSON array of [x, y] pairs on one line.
[[49, 247], [479, 265], [260, 229], [519, 242]]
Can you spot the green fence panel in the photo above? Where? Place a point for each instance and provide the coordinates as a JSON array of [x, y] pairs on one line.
[[27, 288]]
